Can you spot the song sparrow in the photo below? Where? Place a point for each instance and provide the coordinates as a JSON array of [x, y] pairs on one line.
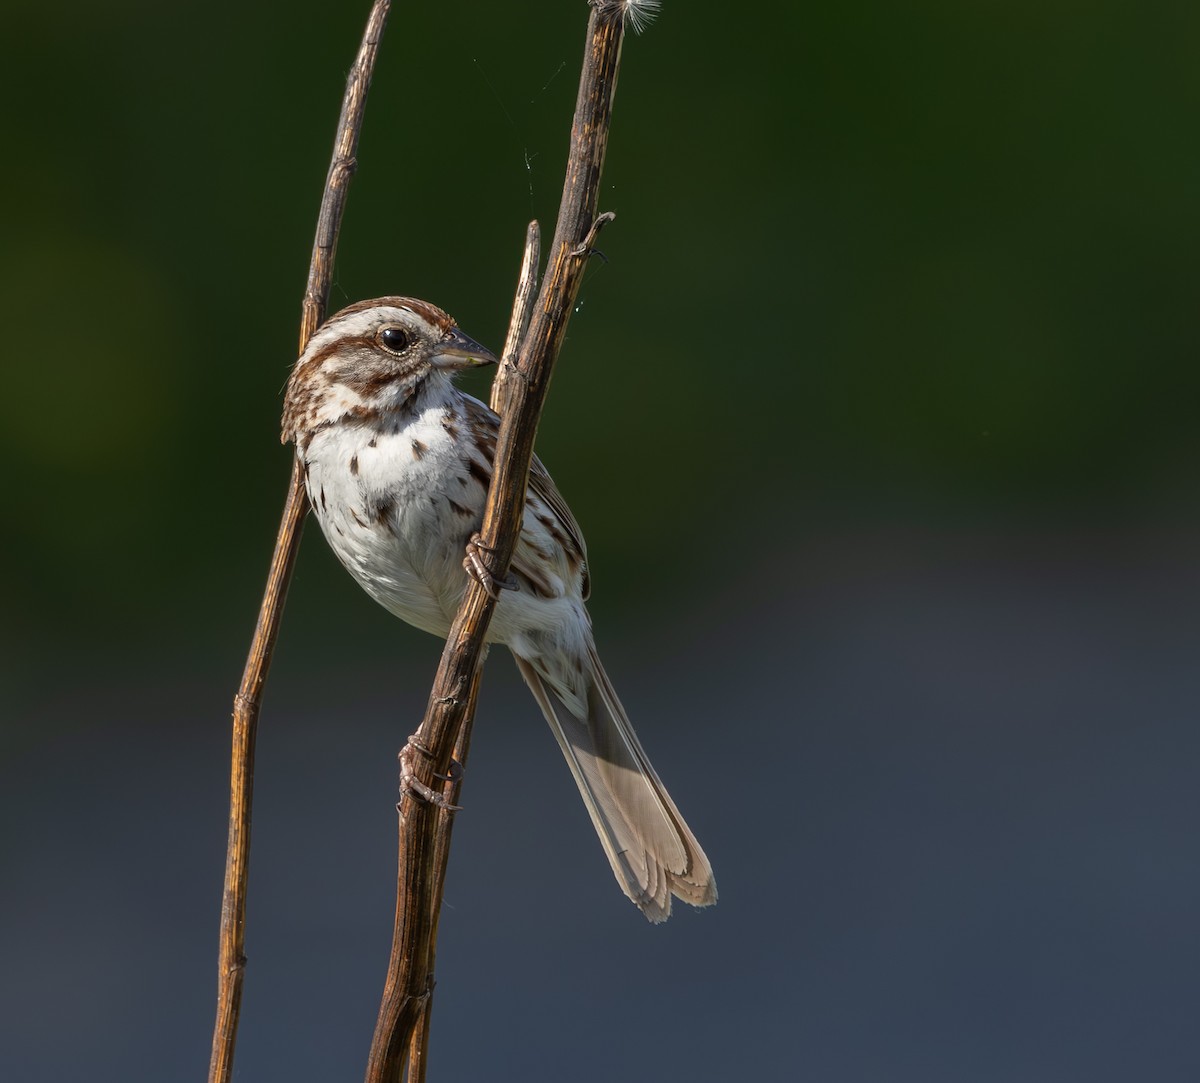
[[397, 462]]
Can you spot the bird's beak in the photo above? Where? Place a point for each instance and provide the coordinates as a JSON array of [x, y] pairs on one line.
[[457, 351]]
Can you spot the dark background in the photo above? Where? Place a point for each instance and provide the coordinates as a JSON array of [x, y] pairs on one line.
[[880, 423]]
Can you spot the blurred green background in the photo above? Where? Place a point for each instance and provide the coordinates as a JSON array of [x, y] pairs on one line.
[[918, 252], [898, 320]]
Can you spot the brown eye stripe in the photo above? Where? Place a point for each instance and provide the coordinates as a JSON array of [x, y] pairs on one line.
[[337, 346]]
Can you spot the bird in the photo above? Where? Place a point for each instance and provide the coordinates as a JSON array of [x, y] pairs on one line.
[[397, 461]]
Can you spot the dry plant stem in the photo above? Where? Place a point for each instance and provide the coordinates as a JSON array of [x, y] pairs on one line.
[[246, 704], [522, 312], [341, 169], [410, 977], [518, 323], [232, 958], [418, 1048]]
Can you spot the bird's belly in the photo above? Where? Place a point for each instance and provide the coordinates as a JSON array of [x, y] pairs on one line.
[[423, 583], [396, 515], [398, 509], [403, 578]]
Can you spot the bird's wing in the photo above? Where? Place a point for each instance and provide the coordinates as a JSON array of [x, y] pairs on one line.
[[560, 523]]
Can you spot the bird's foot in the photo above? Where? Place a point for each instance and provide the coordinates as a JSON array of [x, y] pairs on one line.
[[476, 565], [410, 784]]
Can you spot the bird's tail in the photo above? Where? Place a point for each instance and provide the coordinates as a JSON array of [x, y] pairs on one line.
[[653, 853]]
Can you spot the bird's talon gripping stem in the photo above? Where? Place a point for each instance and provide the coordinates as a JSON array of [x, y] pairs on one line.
[[410, 784], [476, 567]]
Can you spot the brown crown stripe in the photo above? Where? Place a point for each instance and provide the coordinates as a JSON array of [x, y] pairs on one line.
[[428, 312]]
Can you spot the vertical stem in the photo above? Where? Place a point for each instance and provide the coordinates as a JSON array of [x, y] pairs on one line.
[[418, 889], [232, 956], [518, 322], [522, 312], [418, 1049], [248, 701]]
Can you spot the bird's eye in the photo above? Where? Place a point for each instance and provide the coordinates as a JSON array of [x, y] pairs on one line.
[[396, 339]]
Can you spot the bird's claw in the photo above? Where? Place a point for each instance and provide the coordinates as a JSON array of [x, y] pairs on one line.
[[410, 784], [475, 564]]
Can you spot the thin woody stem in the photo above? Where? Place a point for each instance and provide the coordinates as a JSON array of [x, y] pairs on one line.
[[247, 702], [518, 323], [418, 895], [418, 1050], [522, 312]]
